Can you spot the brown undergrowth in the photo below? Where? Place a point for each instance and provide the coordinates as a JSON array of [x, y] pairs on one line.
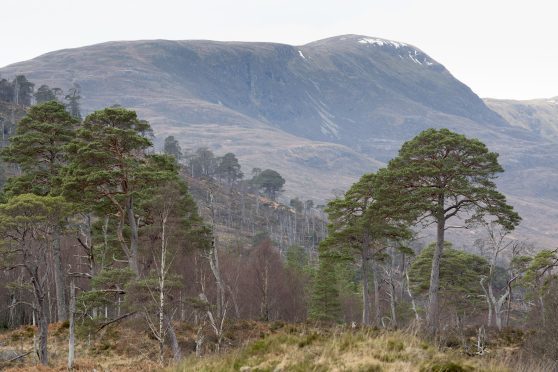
[[252, 346]]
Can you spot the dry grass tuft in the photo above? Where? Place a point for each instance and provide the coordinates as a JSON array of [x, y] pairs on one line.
[[341, 350], [257, 346]]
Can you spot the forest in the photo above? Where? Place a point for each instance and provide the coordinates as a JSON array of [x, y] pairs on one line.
[[103, 235]]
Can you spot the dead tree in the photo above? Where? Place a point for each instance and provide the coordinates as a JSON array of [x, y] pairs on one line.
[[498, 242]]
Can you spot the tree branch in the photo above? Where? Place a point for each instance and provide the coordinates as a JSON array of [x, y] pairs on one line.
[[115, 320]]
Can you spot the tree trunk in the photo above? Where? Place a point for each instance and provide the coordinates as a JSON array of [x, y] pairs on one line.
[[488, 302], [200, 337], [11, 319], [365, 294], [509, 304], [413, 304], [177, 354], [162, 277], [392, 302], [71, 331], [215, 269], [264, 306], [432, 316], [543, 317], [376, 282], [42, 319], [133, 259], [498, 311], [235, 303], [59, 278]]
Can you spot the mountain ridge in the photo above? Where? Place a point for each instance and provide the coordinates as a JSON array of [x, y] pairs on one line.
[[321, 113]]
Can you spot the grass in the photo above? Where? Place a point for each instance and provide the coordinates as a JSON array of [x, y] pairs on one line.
[[256, 346], [313, 349]]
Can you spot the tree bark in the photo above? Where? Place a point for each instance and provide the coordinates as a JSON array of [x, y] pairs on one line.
[[61, 310], [392, 301], [498, 309], [162, 277], [264, 306], [376, 282], [509, 304], [432, 316], [214, 264], [365, 294], [11, 319], [488, 302], [543, 315], [71, 331], [133, 259], [177, 354], [215, 269], [42, 319], [413, 304]]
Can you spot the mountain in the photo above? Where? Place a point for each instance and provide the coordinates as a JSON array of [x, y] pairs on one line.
[[321, 113], [539, 116]]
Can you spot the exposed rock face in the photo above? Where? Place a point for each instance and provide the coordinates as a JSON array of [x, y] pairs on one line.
[[321, 114]]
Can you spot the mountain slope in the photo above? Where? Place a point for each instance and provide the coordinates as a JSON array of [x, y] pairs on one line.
[[331, 89], [539, 116], [321, 113]]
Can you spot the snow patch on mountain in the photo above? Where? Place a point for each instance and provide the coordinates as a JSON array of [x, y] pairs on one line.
[[408, 52], [414, 58], [328, 127], [381, 42]]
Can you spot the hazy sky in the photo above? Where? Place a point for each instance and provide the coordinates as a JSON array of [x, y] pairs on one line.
[[500, 48]]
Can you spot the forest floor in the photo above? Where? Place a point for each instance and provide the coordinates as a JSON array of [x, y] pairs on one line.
[[252, 346]]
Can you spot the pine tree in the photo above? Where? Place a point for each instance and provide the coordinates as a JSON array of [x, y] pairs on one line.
[[23, 91], [172, 148], [228, 168], [361, 227], [325, 305], [440, 174], [73, 97], [108, 166], [460, 273], [270, 181], [44, 94], [39, 149]]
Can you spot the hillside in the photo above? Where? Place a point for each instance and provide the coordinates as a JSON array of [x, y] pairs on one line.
[[539, 116], [241, 216], [321, 113]]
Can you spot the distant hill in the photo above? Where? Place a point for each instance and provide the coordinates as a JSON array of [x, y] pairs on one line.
[[321, 113], [539, 116]]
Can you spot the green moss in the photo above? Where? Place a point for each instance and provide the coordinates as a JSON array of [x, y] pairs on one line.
[[444, 366]]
